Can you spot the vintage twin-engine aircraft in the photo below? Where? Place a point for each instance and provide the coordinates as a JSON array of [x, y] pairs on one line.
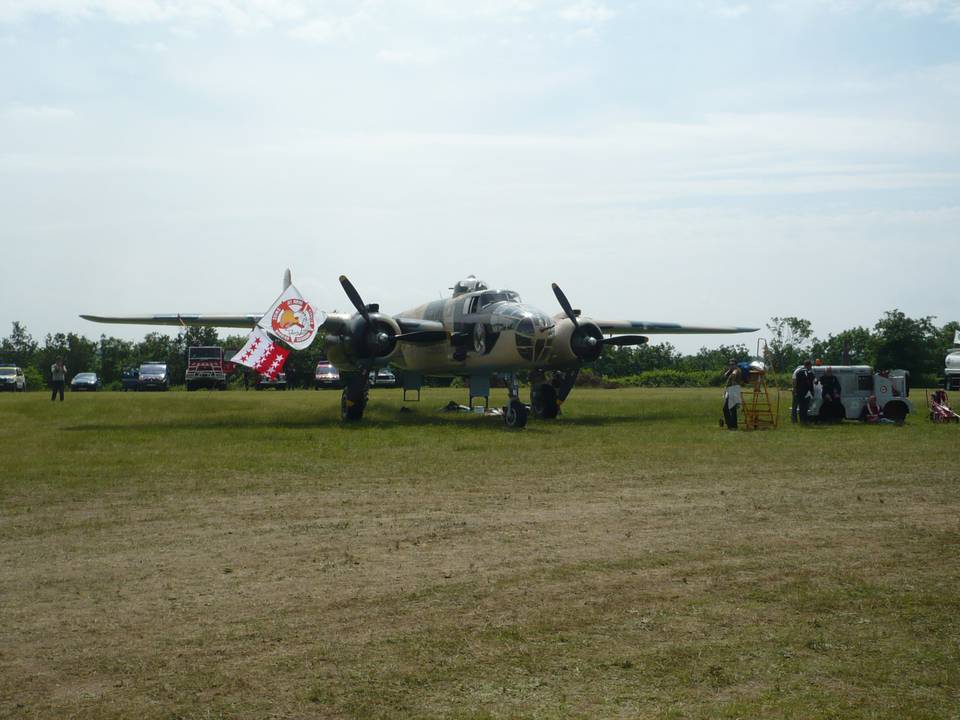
[[476, 333]]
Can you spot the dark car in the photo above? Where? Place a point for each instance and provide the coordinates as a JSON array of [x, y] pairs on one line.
[[326, 376], [265, 383], [12, 379], [153, 376], [130, 379], [85, 381]]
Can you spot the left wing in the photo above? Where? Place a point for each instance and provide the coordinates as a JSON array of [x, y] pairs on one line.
[[180, 320], [612, 327]]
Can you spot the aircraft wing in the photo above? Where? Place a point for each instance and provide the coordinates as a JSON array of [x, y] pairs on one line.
[[612, 327], [180, 319]]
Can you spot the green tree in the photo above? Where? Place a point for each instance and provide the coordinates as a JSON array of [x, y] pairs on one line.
[[850, 347], [908, 343], [716, 359], [115, 355], [789, 342], [78, 353], [19, 348]]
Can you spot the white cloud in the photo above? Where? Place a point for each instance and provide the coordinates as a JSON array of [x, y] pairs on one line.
[[410, 56], [733, 11], [41, 113], [587, 12]]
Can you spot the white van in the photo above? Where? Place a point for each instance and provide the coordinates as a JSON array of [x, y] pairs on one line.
[[857, 384]]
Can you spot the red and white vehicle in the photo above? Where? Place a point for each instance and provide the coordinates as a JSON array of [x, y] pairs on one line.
[[206, 368]]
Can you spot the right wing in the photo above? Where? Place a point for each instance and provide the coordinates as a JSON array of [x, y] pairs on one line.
[[626, 326], [180, 320]]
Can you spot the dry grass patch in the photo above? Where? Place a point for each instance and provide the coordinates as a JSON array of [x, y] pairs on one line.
[[186, 557]]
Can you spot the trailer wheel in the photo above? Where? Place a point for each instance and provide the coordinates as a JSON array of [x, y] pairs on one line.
[[896, 411]]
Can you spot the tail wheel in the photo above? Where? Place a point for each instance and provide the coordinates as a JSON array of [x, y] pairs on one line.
[[515, 414], [480, 339], [544, 401]]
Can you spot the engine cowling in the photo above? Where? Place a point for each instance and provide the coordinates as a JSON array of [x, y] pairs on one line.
[[362, 342], [575, 344]]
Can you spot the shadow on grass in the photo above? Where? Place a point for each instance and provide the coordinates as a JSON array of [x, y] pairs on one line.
[[437, 419]]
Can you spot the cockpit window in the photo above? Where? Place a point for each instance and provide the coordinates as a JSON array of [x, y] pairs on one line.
[[488, 298]]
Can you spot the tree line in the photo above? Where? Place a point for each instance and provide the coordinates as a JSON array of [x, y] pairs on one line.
[[895, 341]]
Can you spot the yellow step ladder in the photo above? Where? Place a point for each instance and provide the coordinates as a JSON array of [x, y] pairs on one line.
[[758, 410]]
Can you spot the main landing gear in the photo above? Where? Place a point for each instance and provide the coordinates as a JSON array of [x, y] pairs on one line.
[[353, 399], [515, 413], [546, 397]]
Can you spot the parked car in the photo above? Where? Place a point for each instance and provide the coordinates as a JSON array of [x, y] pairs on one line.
[[153, 376], [383, 377], [85, 381], [326, 376], [130, 379], [265, 383], [12, 379]]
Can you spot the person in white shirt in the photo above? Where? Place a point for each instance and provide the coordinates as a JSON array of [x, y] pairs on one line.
[[58, 378]]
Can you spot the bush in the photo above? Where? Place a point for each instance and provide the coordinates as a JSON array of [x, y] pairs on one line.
[[34, 378]]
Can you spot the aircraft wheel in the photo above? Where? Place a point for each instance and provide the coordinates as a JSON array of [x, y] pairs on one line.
[[544, 401], [515, 415], [352, 403]]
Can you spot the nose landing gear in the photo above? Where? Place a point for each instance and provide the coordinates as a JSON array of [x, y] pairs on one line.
[[515, 413], [353, 399]]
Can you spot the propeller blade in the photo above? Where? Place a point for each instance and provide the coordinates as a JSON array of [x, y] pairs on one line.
[[621, 340], [354, 296], [423, 337], [565, 304]]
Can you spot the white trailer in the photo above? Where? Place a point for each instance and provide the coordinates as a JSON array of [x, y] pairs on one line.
[[951, 371], [858, 383]]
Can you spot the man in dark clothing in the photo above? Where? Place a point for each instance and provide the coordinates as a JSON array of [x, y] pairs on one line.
[[803, 391], [831, 408]]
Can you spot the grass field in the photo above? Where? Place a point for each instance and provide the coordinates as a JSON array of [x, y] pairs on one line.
[[243, 555]]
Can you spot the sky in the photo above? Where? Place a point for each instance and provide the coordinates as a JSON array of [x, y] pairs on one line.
[[704, 162]]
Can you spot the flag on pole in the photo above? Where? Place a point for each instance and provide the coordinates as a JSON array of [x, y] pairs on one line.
[[293, 319], [262, 354]]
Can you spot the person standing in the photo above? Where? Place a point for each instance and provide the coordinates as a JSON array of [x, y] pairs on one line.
[[803, 383], [58, 377], [731, 395]]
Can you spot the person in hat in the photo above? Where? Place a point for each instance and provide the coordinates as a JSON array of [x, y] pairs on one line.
[[803, 382], [731, 394]]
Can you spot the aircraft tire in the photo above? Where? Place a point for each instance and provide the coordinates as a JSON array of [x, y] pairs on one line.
[[544, 401], [515, 415], [352, 404]]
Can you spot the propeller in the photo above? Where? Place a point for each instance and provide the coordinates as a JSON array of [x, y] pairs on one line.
[[565, 304], [378, 337], [621, 340], [587, 340], [355, 298]]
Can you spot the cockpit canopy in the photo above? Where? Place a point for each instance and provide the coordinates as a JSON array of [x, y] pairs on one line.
[[470, 284], [495, 296]]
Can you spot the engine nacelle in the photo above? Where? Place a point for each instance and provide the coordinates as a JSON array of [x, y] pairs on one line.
[[576, 344], [363, 343]]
